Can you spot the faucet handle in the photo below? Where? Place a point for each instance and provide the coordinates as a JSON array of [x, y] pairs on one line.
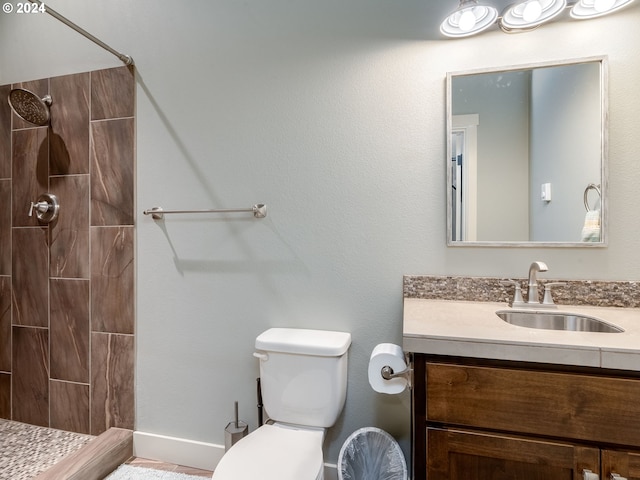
[[517, 294], [39, 207], [548, 299], [46, 208]]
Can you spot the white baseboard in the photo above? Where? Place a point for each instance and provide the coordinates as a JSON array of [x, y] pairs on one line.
[[177, 450], [190, 453]]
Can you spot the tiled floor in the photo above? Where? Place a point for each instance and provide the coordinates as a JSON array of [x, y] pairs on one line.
[[27, 450], [141, 462]]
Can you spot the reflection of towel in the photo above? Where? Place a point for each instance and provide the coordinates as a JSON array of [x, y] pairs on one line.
[[591, 229]]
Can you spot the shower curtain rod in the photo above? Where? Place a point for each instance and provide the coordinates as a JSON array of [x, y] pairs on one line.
[[126, 59]]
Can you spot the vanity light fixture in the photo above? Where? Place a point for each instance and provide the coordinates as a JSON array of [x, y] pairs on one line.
[[529, 14], [468, 19], [584, 9], [471, 18]]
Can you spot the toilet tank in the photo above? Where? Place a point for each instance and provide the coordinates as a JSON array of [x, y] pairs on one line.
[[303, 375]]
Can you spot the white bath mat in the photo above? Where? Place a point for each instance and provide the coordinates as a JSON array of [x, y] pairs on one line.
[[127, 472]]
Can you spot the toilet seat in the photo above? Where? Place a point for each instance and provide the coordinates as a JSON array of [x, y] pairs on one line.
[[274, 452]]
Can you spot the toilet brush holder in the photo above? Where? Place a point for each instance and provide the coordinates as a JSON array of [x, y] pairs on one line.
[[235, 431]]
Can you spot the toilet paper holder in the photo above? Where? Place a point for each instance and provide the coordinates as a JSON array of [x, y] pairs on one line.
[[387, 373]]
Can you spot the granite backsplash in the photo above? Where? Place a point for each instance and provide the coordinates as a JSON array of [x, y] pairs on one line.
[[489, 289]]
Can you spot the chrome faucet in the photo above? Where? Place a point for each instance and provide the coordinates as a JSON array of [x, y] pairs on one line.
[[533, 300], [533, 281]]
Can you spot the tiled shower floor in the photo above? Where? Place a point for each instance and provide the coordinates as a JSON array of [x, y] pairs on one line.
[[27, 450]]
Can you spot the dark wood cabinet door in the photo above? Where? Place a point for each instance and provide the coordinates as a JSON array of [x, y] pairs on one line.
[[465, 455], [625, 464]]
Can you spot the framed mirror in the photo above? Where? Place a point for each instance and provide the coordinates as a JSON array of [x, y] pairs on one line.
[[527, 155]]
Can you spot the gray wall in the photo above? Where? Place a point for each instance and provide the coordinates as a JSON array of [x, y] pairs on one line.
[[334, 116]]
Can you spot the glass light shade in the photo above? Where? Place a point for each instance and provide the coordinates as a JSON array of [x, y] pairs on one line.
[[531, 13], [585, 9], [604, 5], [469, 19]]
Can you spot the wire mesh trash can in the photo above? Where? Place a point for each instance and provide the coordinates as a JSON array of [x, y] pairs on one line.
[[371, 454]]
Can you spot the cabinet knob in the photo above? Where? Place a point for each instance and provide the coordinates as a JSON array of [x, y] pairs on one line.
[[589, 475], [615, 476]]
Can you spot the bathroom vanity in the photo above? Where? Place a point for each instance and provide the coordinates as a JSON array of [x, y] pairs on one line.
[[493, 400]]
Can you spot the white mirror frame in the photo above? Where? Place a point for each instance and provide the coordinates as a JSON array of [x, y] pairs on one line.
[[604, 91]]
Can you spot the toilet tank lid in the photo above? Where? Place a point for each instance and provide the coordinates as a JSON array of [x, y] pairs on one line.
[[323, 343]]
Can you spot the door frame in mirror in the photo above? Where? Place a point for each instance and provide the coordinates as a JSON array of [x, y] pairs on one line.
[[604, 143]]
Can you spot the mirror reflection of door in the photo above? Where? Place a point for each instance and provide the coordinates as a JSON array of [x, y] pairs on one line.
[[464, 176]]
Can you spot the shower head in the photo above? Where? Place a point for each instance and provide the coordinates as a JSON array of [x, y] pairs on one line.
[[29, 106]]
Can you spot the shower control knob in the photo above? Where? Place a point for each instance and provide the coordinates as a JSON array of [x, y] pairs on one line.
[[40, 207], [46, 208]]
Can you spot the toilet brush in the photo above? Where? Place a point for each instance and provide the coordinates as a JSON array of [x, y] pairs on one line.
[[235, 431]]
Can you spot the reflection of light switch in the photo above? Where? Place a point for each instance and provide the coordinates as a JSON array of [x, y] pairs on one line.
[[545, 193]]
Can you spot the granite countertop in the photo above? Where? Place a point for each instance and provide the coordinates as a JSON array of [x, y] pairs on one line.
[[472, 329]]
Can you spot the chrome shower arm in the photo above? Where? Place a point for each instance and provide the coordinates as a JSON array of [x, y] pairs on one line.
[[126, 59]]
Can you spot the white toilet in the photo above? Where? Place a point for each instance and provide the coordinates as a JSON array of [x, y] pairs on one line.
[[303, 375]]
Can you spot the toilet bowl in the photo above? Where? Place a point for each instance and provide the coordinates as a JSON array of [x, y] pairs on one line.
[[274, 452], [303, 377]]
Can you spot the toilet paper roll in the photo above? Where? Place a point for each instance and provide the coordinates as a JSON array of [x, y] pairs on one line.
[[383, 355]]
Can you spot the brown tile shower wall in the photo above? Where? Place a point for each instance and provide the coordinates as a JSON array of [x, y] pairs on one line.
[[67, 289]]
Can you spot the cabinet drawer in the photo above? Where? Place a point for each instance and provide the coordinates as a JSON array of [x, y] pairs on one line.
[[459, 455], [563, 405]]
